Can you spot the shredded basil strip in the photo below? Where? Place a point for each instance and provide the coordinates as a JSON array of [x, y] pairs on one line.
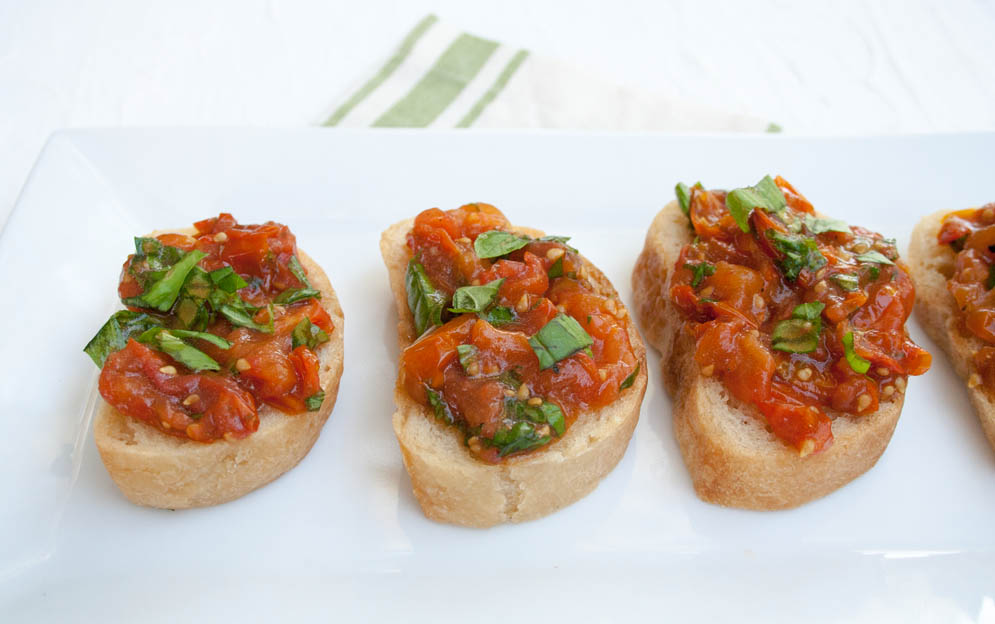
[[217, 341], [856, 362], [498, 316], [560, 338], [546, 412], [800, 253], [874, 257], [173, 346], [163, 293], [700, 270], [227, 279], [520, 436], [295, 267], [314, 401], [293, 295], [114, 334], [439, 405], [467, 355], [820, 225], [683, 197], [475, 299], [425, 301], [308, 334], [846, 281], [497, 243], [241, 317], [556, 270], [800, 333], [557, 239], [631, 379], [764, 194]]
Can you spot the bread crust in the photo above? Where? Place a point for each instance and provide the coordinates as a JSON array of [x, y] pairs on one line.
[[731, 457], [931, 265], [154, 469], [454, 487]]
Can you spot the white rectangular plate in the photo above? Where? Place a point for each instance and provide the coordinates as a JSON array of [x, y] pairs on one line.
[[341, 535]]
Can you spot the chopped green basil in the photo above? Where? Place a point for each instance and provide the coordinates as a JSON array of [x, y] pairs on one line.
[[475, 299], [856, 362], [242, 318], [764, 194], [800, 253], [314, 401], [700, 270], [439, 405], [557, 239], [560, 338], [227, 279], [498, 316], [873, 271], [817, 225], [683, 197], [217, 341], [874, 257], [114, 335], [173, 346], [293, 295], [545, 412], [631, 379], [556, 270], [467, 354], [846, 281], [308, 334], [163, 293], [800, 333], [521, 436], [295, 267], [155, 256], [497, 243], [424, 300]]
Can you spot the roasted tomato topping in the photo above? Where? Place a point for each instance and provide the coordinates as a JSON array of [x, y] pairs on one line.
[[798, 315], [971, 235], [218, 322], [532, 343]]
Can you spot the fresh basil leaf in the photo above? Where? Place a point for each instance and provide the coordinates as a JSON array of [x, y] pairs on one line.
[[519, 437], [857, 363], [700, 270], [308, 334], [240, 317], [424, 300], [439, 405], [683, 197], [314, 401], [818, 225], [293, 295], [764, 194], [467, 355], [474, 299], [114, 334], [560, 338], [874, 271], [556, 270], [227, 279], [874, 257], [497, 243], [800, 333], [631, 379], [217, 341], [846, 281], [174, 347], [498, 316], [546, 412], [800, 253], [557, 239], [295, 267], [163, 293]]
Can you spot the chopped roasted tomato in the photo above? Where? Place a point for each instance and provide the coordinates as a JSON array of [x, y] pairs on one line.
[[482, 371], [796, 314]]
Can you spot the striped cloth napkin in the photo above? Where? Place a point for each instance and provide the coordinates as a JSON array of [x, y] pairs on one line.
[[441, 77]]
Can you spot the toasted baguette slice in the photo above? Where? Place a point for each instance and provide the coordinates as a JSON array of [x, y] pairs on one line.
[[158, 470], [453, 486], [931, 265], [733, 459]]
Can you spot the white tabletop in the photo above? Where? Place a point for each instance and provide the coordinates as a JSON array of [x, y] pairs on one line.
[[815, 68]]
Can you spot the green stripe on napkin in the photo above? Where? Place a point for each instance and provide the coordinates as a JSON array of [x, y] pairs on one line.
[[487, 98]]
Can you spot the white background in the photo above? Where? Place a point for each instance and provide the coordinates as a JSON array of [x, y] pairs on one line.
[[814, 67]]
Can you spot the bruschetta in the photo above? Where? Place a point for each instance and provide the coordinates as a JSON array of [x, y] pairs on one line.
[[953, 265], [520, 375], [782, 334], [220, 373]]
